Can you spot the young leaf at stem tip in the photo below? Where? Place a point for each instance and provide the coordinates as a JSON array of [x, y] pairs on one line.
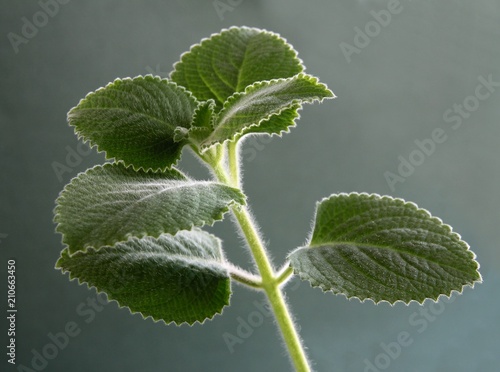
[[201, 126], [181, 278], [230, 62], [383, 249]]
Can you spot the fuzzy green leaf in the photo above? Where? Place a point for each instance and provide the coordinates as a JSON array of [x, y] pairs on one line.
[[230, 61], [383, 249], [262, 101], [179, 278], [201, 126], [110, 203], [277, 124], [134, 120]]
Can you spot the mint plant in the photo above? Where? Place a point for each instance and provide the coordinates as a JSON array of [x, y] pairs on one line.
[[132, 227]]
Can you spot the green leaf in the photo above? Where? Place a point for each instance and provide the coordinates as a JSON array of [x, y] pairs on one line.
[[383, 249], [230, 61], [133, 120], [110, 203], [263, 100], [201, 126], [277, 124], [179, 278]]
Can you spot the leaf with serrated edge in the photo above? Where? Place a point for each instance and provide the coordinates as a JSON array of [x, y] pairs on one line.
[[181, 278], [133, 120], [110, 203], [277, 124], [203, 115], [201, 126], [263, 100], [231, 60], [376, 247]]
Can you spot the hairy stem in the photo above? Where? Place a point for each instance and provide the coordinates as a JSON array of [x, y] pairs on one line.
[[287, 327], [271, 281], [245, 277], [271, 285], [233, 163], [284, 273]]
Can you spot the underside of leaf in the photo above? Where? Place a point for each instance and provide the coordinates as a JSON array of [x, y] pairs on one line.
[[110, 203], [277, 124], [181, 278], [261, 102]]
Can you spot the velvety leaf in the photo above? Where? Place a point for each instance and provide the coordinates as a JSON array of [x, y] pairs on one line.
[[383, 249], [277, 124], [202, 125], [230, 61], [110, 203], [181, 278], [263, 100], [133, 120]]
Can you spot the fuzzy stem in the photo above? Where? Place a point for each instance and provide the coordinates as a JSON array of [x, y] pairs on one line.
[[233, 163], [284, 273], [245, 277], [270, 280], [271, 284]]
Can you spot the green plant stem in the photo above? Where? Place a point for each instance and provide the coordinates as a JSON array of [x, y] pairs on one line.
[[271, 285], [284, 274], [233, 162], [270, 280], [287, 327], [244, 277]]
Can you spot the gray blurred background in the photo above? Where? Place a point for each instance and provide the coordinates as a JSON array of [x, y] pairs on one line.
[[393, 89]]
